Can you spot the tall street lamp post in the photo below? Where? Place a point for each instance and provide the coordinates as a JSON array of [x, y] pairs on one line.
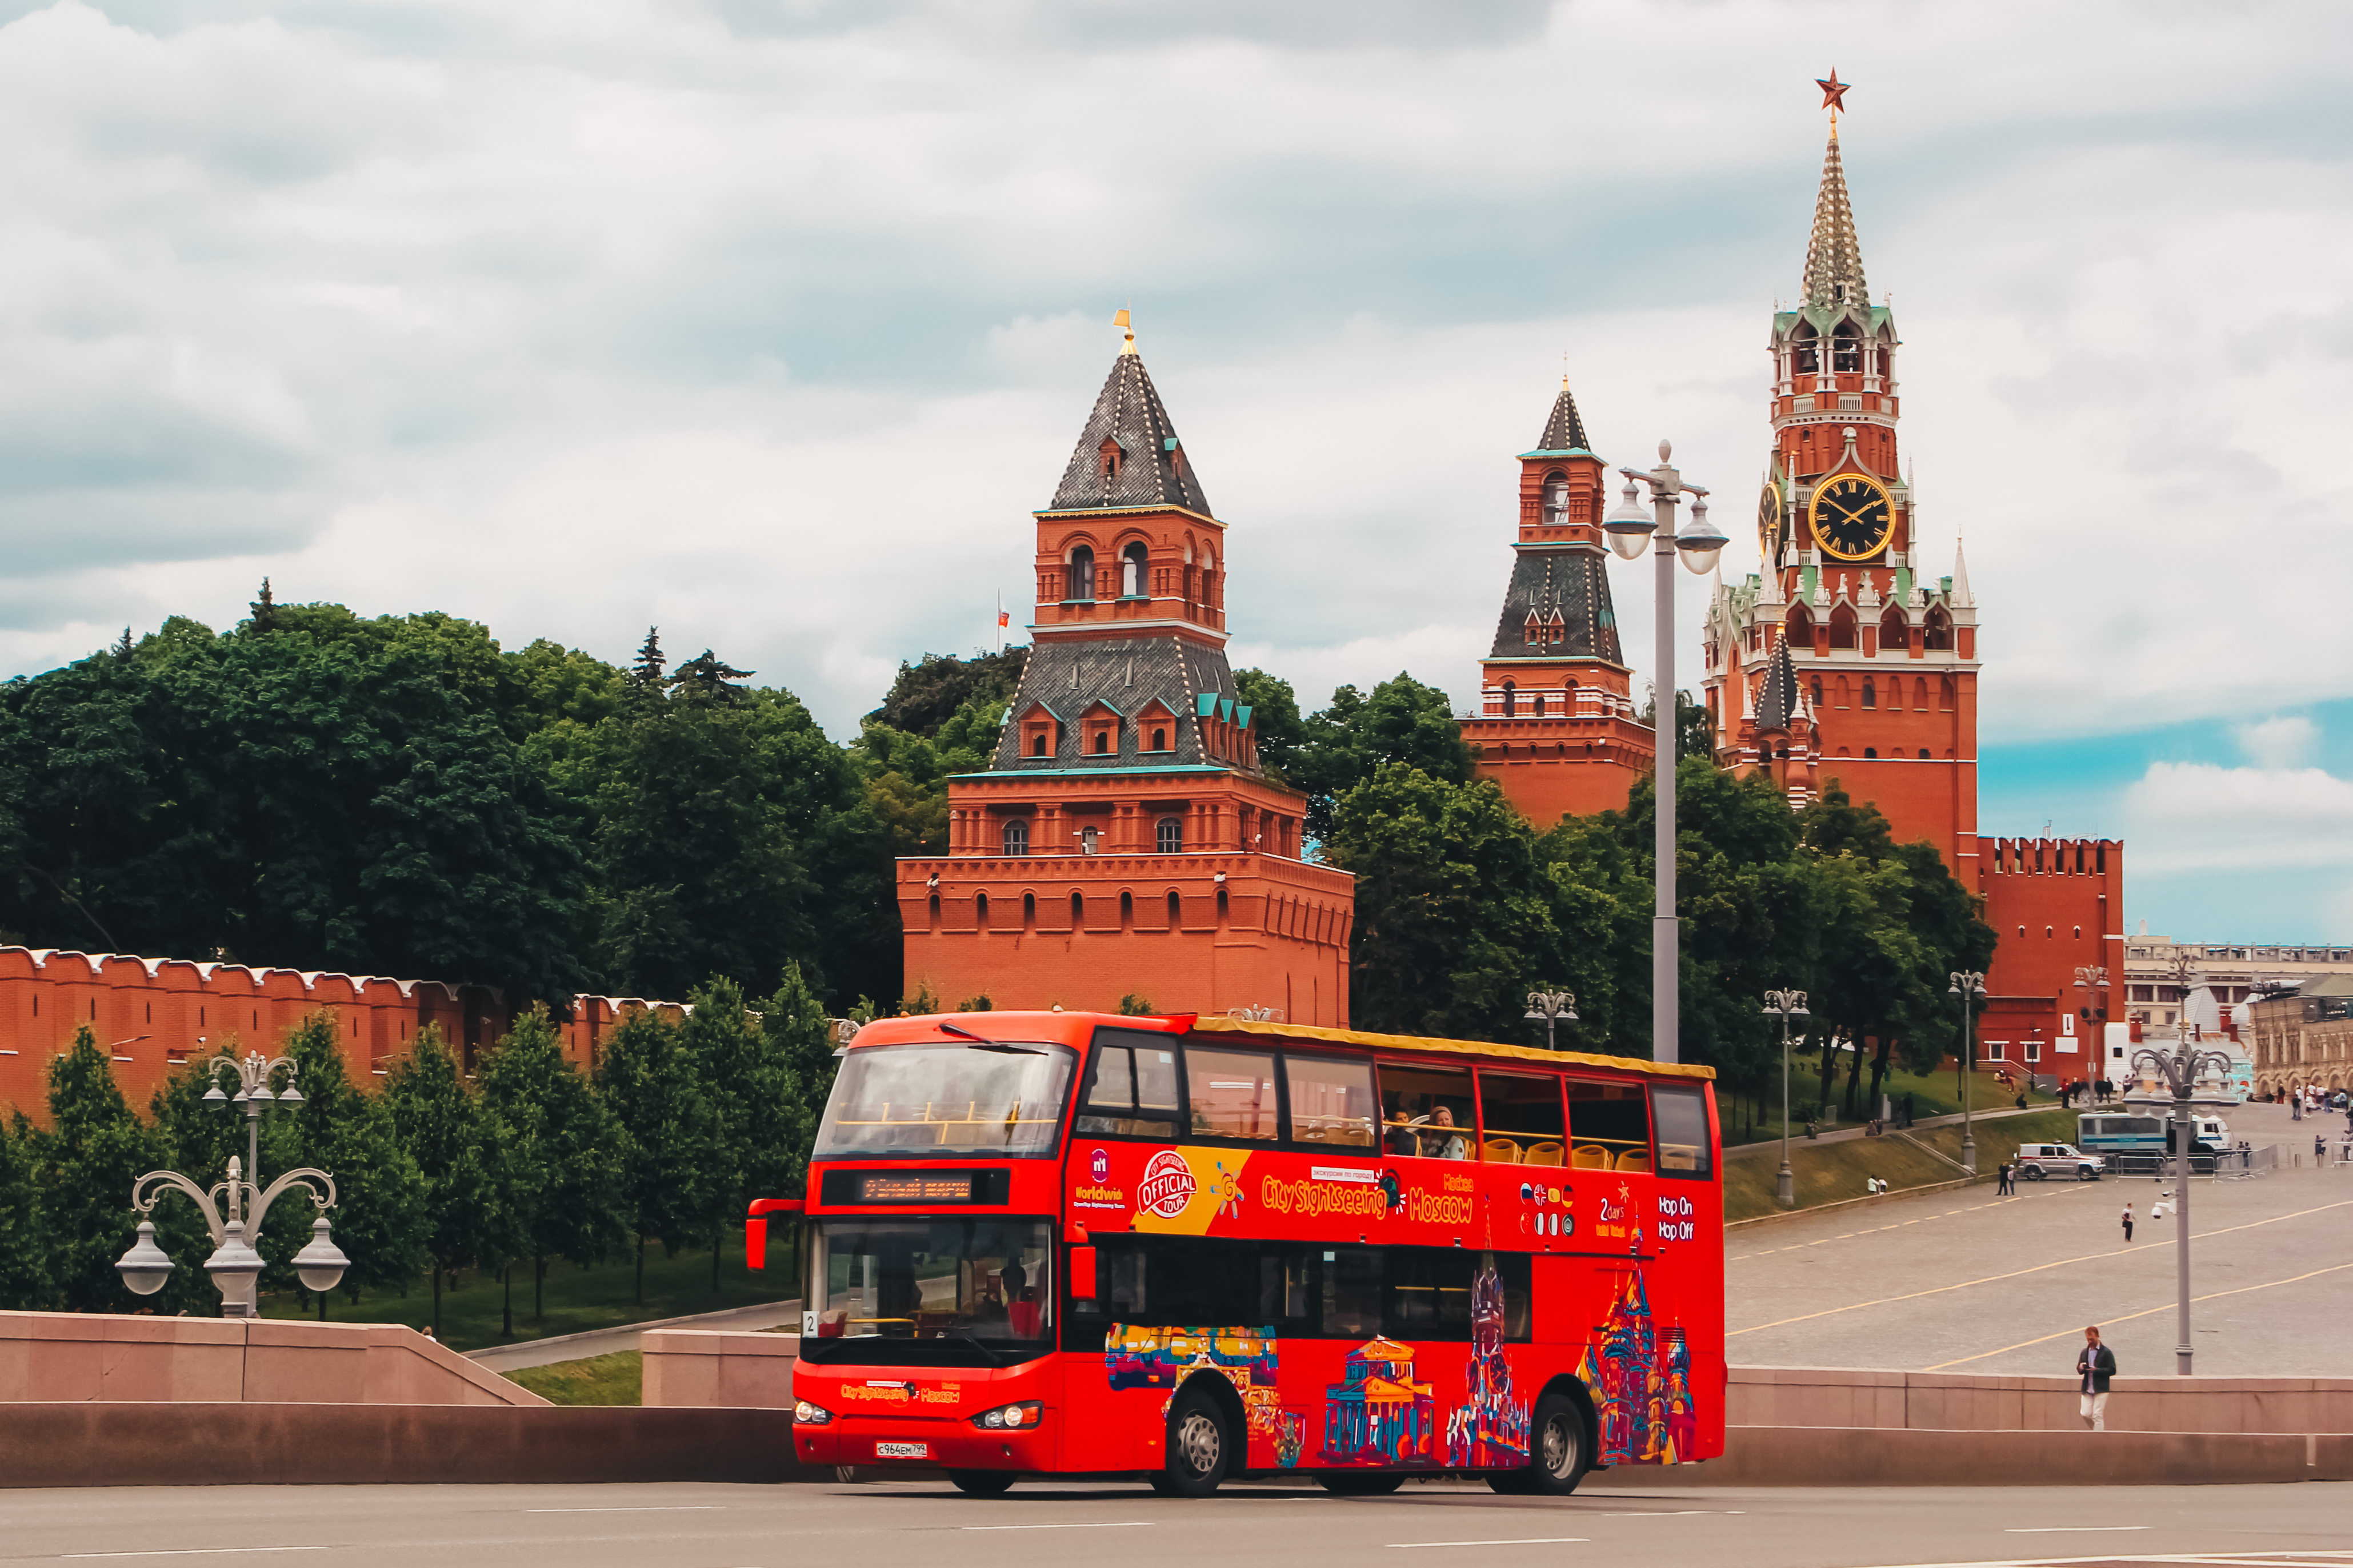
[[2092, 979], [236, 1219], [1788, 1005], [1632, 530], [1554, 1007], [1969, 984], [2179, 1072]]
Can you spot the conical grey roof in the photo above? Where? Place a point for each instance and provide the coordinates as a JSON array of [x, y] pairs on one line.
[[1833, 256], [1564, 431], [1778, 702], [1152, 467]]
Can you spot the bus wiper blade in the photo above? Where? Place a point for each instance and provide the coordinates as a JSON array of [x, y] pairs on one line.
[[986, 1353], [983, 1043]]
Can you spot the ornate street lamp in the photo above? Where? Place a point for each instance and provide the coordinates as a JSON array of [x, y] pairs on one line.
[[1969, 984], [1631, 530], [2179, 1072], [1788, 1005], [236, 1219], [1554, 1007], [2094, 978]]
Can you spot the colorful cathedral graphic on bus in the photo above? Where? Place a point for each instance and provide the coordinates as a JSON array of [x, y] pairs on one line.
[[1642, 1388]]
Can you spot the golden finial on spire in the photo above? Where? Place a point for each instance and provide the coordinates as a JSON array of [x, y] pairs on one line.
[[1120, 321], [1564, 370]]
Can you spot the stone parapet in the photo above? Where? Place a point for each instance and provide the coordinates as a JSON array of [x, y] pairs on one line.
[[708, 1367], [1838, 1397]]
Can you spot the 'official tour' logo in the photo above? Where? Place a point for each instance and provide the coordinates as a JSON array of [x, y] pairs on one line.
[[1167, 1185]]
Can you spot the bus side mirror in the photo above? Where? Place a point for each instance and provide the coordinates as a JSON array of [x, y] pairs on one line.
[[1083, 1274], [755, 1228]]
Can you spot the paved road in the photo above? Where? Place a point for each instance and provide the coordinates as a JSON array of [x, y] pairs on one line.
[[1081, 1526], [1964, 1281]]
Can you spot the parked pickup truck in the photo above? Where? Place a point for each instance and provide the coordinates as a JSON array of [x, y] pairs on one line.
[[2039, 1162]]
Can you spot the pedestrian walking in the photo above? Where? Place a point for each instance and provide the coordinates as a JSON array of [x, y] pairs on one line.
[[2002, 1180], [2094, 1367], [2127, 1228]]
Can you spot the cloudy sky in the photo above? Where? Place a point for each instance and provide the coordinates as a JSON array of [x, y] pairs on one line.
[[769, 321]]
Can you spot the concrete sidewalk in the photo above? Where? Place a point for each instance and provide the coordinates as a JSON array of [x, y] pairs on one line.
[[607, 1341]]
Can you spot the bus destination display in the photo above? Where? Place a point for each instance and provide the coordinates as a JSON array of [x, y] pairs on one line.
[[908, 1187]]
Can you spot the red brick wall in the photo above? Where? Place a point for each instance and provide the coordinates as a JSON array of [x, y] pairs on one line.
[[2054, 904]]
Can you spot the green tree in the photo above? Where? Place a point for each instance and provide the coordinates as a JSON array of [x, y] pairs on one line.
[[929, 693], [24, 1240], [801, 1033], [1274, 718], [93, 1149], [746, 1070], [1351, 740], [670, 1165], [564, 1148], [381, 1215], [441, 1124]]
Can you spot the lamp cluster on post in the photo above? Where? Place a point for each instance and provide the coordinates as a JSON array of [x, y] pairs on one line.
[[2178, 1074], [235, 1220], [1969, 984], [1555, 1007], [1631, 530], [1788, 1005]]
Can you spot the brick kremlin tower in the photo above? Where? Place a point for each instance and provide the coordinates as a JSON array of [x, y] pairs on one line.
[[1838, 663], [1556, 726], [1124, 840]]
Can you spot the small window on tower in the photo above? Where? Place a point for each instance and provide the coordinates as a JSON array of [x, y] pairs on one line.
[[1102, 739], [1818, 691], [1170, 835], [1540, 705], [1870, 750], [1017, 836], [1511, 701], [1082, 574], [1924, 754], [1131, 563], [1038, 745], [1555, 499], [1870, 694], [1159, 740]]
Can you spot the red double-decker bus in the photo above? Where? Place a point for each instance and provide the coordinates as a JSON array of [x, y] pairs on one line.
[[1194, 1248]]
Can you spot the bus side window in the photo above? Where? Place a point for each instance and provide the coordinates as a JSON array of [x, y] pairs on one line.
[[1351, 1293], [1330, 1101], [1232, 1091], [1682, 1117], [1426, 1112], [1608, 1127], [1131, 1088], [1519, 1119]]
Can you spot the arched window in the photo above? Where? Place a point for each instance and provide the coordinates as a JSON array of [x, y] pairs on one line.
[[1082, 575], [1799, 628], [1924, 754], [1870, 693], [1127, 910], [1175, 910], [1089, 838], [1017, 836], [1846, 349], [1221, 904], [1540, 713], [1870, 750], [1945, 693], [980, 910], [1843, 626], [1169, 835], [1028, 911], [1938, 632], [1555, 499], [1159, 739], [1920, 695], [1038, 745], [935, 908], [1808, 362], [1818, 691], [1078, 908], [1131, 563], [1895, 631], [1103, 740], [1568, 697], [1208, 576], [1840, 692], [1511, 700]]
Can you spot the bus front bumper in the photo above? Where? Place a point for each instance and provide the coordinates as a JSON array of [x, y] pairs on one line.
[[957, 1445]]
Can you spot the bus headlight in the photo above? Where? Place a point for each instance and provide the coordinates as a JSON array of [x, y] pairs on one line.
[[807, 1414], [1011, 1416]]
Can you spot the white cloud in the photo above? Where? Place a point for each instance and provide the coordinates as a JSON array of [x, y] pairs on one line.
[[2277, 744], [2193, 816]]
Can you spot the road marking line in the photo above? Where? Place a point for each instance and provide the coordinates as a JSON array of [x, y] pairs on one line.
[[193, 1551], [2128, 1317], [2070, 1529], [647, 1508], [1530, 1541], [1076, 1524], [2015, 1273]]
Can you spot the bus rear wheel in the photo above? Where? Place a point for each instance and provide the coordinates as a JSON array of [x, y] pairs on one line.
[[1200, 1449], [1358, 1483], [1560, 1453], [982, 1483]]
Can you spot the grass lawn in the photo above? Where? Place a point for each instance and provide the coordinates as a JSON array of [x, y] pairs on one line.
[[577, 1298], [616, 1379], [1828, 1173], [1933, 1094]]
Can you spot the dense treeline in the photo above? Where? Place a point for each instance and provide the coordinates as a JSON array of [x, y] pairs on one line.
[[527, 1164]]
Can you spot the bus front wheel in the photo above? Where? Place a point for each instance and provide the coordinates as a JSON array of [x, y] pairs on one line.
[[1560, 1456], [1199, 1447], [982, 1483]]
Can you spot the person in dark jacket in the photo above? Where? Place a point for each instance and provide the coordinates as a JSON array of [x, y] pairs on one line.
[[2094, 1367]]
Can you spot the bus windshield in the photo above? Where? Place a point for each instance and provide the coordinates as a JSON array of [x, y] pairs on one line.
[[979, 1280], [946, 1098]]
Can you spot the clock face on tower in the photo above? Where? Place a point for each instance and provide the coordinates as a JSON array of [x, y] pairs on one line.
[[1852, 517], [1768, 525]]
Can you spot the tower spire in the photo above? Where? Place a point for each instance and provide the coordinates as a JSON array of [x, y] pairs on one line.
[[1833, 256]]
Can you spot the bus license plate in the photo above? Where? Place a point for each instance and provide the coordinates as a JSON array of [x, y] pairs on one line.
[[902, 1451]]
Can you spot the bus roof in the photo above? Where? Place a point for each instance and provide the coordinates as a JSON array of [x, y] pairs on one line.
[[1450, 1048], [1076, 1028]]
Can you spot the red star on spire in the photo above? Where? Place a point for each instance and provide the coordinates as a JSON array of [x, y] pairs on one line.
[[1833, 90]]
